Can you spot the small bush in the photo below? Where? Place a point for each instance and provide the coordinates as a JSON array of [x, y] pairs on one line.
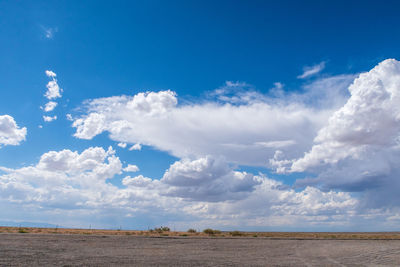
[[191, 230], [162, 229], [165, 229], [22, 231], [210, 231], [236, 233]]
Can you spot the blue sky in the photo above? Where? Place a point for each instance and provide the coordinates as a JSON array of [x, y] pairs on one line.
[[241, 110]]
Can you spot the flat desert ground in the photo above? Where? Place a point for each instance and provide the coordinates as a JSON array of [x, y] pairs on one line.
[[99, 249]]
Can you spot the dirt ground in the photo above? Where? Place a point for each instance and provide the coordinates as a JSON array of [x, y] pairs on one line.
[[28, 249]]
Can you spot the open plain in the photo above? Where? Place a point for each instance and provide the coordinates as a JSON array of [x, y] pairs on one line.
[[94, 249]]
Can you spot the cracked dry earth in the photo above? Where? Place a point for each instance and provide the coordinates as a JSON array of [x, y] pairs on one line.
[[97, 250]]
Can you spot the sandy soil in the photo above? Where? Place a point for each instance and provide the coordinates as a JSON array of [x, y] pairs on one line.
[[17, 249]]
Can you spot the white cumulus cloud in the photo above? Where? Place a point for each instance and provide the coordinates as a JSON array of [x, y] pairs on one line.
[[138, 181], [253, 129], [53, 89], [50, 74], [359, 148], [10, 132], [370, 119], [50, 106], [90, 126], [131, 168], [203, 191], [49, 118], [207, 179]]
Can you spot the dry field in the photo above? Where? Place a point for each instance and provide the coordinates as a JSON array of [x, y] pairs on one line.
[[80, 247], [216, 234]]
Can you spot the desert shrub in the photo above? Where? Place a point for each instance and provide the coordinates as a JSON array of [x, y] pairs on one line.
[[162, 229], [236, 233], [210, 231], [191, 230], [22, 231], [165, 229]]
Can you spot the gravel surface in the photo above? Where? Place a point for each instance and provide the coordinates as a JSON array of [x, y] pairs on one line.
[[96, 250]]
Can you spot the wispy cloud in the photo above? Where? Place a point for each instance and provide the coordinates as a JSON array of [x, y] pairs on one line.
[[277, 90], [122, 145], [135, 147], [312, 70], [49, 32]]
